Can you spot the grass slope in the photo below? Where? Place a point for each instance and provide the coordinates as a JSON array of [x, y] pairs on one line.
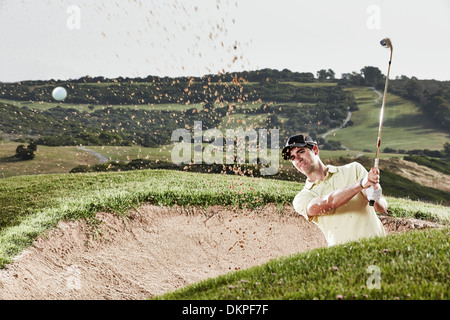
[[47, 160], [83, 107], [404, 126], [394, 184], [435, 164]]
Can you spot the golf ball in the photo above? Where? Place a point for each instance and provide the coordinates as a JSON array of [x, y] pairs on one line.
[[59, 93]]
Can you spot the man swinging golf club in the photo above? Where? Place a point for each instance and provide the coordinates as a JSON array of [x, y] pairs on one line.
[[336, 198], [341, 200]]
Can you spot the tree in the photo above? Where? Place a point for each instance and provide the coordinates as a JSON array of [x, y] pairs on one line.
[[330, 74], [32, 146], [313, 134], [272, 120], [325, 74], [372, 76], [332, 145], [414, 89], [446, 149], [353, 78], [322, 74], [26, 153]]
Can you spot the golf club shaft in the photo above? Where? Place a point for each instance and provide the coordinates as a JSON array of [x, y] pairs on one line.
[[380, 128]]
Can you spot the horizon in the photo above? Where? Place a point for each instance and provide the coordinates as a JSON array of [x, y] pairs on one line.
[[88, 76]]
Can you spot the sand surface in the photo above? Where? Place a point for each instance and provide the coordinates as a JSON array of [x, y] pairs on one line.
[[154, 250], [151, 251]]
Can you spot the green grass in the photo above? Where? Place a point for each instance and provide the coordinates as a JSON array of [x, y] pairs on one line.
[[413, 265], [404, 126], [42, 105], [120, 153], [63, 159], [310, 84], [407, 208], [47, 160]]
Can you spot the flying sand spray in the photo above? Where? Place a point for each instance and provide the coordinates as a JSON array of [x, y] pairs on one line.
[[387, 44]]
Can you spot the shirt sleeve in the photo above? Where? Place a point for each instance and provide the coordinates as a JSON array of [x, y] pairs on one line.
[[361, 172], [301, 201]]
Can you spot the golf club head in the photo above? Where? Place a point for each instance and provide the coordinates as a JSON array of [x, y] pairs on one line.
[[386, 42]]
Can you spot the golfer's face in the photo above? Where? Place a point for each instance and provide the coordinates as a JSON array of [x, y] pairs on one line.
[[301, 158]]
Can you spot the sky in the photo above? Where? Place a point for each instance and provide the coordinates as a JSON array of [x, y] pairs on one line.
[[69, 39]]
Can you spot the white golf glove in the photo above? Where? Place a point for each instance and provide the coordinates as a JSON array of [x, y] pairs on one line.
[[374, 194]]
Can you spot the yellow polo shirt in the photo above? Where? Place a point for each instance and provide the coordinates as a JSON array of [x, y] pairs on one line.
[[353, 221]]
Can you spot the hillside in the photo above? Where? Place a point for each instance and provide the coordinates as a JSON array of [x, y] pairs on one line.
[[346, 115], [404, 126], [274, 106], [146, 111]]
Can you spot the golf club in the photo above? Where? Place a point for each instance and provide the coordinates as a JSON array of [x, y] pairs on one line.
[[386, 42]]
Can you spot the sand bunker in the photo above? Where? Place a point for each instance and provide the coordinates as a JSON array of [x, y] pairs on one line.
[[156, 250]]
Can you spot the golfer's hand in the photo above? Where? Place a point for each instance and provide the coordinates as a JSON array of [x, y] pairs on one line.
[[372, 178], [374, 193]]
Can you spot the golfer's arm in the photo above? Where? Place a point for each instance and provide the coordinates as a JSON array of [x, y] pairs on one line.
[[320, 205], [381, 205]]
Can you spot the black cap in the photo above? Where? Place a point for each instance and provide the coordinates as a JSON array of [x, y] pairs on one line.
[[298, 140]]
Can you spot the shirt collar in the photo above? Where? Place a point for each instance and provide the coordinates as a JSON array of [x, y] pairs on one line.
[[331, 170]]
